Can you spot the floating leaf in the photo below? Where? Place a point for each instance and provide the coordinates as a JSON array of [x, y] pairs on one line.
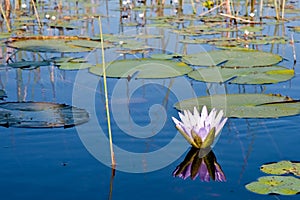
[[89, 44], [253, 75], [46, 45], [29, 64], [282, 167], [285, 185], [41, 115], [4, 35], [242, 58], [251, 28], [165, 56], [245, 105], [74, 65], [143, 68]]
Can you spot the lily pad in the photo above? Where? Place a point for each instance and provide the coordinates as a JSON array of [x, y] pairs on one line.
[[253, 75], [29, 64], [245, 105], [284, 185], [143, 68], [74, 65], [282, 167], [89, 44], [41, 115], [233, 58], [46, 45], [165, 56]]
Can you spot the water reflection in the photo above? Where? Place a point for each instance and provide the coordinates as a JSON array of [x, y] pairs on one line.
[[202, 163]]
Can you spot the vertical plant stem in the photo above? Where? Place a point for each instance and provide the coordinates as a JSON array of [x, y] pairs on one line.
[[5, 19], [261, 9], [113, 162], [36, 14], [294, 49], [246, 5], [282, 9], [276, 9], [193, 6]]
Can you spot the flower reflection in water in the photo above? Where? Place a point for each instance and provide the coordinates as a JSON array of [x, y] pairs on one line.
[[202, 163]]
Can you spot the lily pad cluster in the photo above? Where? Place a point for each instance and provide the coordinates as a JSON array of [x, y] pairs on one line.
[[284, 185], [41, 115], [245, 105]]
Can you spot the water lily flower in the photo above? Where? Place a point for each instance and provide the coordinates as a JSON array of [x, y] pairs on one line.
[[23, 5], [252, 14], [201, 131], [206, 168]]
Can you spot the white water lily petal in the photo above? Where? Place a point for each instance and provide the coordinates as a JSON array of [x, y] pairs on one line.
[[183, 119], [221, 125], [203, 116], [193, 122], [216, 122]]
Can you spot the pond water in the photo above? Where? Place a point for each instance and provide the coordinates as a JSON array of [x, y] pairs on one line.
[[74, 163]]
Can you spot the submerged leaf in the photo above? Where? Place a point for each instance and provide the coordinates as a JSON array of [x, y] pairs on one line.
[[29, 64], [2, 94], [41, 115]]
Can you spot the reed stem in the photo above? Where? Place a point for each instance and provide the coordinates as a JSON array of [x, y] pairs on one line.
[[282, 9], [36, 14], [5, 19], [113, 162]]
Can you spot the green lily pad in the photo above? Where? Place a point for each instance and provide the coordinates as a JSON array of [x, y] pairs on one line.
[[89, 44], [143, 68], [47, 45], [242, 58], [253, 75], [41, 115], [251, 28], [164, 56], [282, 167], [284, 185], [74, 65], [5, 35], [245, 105], [29, 64]]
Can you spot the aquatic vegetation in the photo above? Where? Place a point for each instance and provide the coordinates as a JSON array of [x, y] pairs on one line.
[[252, 75], [41, 115], [284, 185], [2, 94], [232, 58], [200, 164], [281, 168], [245, 105], [143, 68], [201, 131]]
